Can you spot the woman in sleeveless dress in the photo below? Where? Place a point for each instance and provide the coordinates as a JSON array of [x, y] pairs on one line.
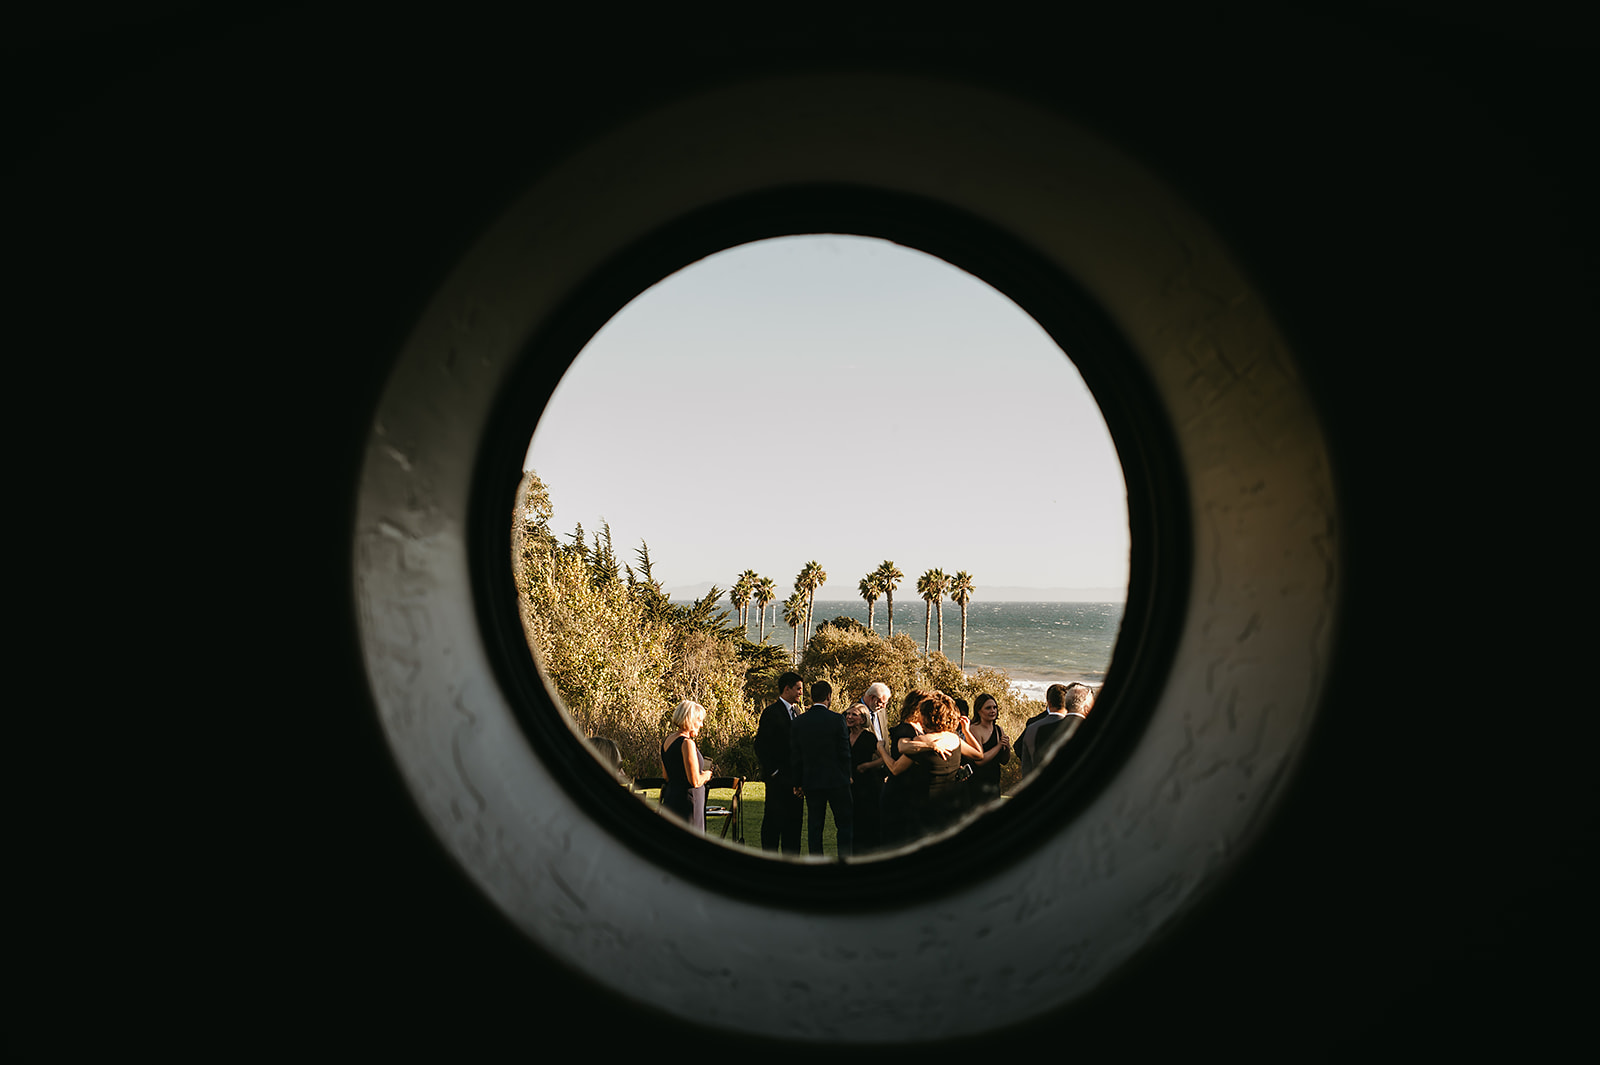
[[687, 773], [866, 779], [986, 730], [905, 789]]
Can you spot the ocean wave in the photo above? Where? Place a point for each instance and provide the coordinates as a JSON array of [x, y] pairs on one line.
[[1030, 689], [1034, 690]]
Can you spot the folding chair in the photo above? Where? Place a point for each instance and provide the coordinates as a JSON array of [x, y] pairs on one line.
[[640, 785], [733, 813]]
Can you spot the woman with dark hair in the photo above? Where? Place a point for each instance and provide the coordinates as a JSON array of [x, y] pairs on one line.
[[991, 738], [687, 774], [922, 756], [905, 789]]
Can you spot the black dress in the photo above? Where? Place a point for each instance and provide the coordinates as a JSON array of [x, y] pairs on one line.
[[904, 797], [985, 779], [678, 797], [866, 792]]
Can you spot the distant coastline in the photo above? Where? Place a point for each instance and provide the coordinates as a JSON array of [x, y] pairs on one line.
[[688, 593]]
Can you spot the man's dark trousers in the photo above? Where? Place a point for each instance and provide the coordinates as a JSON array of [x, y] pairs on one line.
[[817, 803]]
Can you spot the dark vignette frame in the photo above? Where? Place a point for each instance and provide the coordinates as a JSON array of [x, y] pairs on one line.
[[1158, 515]]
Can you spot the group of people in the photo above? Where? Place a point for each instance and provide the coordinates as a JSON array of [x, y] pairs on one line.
[[927, 771]]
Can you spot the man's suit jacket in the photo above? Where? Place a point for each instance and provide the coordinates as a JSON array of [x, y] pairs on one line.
[[820, 749], [1039, 735], [772, 745]]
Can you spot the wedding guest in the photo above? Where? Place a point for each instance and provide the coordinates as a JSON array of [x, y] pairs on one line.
[[821, 759], [1066, 707], [947, 798], [996, 746], [610, 754], [905, 789], [868, 774], [687, 772]]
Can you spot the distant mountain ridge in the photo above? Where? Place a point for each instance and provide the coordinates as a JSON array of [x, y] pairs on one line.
[[1002, 593]]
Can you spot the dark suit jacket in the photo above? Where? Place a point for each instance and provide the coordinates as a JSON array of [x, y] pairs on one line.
[[1037, 738], [820, 749], [772, 745]]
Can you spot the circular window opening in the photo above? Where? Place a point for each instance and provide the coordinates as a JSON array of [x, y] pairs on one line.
[[832, 455], [853, 421]]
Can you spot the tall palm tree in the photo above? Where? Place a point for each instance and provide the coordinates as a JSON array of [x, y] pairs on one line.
[[961, 590], [941, 584], [925, 586], [739, 596], [870, 592], [812, 576], [747, 581], [765, 593], [794, 615], [889, 577]]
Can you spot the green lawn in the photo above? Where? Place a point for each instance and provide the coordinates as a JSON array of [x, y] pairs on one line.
[[755, 805]]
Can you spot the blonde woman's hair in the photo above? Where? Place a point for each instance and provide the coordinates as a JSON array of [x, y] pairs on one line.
[[684, 711]]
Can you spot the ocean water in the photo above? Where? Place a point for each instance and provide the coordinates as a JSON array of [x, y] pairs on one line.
[[1038, 644]]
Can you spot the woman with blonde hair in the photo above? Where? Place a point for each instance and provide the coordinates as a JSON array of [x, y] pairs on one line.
[[687, 772], [866, 774]]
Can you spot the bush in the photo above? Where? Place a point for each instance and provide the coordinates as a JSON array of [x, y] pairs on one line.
[[620, 656]]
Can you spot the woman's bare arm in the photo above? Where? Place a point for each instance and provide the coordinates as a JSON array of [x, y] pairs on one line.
[[969, 745], [895, 766], [691, 765]]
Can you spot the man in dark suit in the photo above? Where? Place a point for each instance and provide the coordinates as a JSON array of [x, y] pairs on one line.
[[780, 823], [1066, 707], [820, 753]]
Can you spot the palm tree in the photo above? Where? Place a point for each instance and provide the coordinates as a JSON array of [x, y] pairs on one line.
[[812, 576], [961, 590], [941, 585], [794, 615], [889, 577], [765, 593], [747, 587], [739, 597], [925, 586], [870, 592]]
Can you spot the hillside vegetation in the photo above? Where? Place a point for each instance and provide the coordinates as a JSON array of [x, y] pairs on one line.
[[621, 655]]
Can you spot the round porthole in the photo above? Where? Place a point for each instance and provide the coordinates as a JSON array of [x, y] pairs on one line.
[[1233, 586]]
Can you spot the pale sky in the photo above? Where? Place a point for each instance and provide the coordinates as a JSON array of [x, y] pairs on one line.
[[842, 399]]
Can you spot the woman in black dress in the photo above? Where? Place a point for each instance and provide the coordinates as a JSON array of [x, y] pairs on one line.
[[986, 730], [866, 779], [905, 789], [687, 773]]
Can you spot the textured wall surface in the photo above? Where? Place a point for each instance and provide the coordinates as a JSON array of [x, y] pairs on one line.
[[237, 232]]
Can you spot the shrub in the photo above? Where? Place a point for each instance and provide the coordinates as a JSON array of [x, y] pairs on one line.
[[619, 655]]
